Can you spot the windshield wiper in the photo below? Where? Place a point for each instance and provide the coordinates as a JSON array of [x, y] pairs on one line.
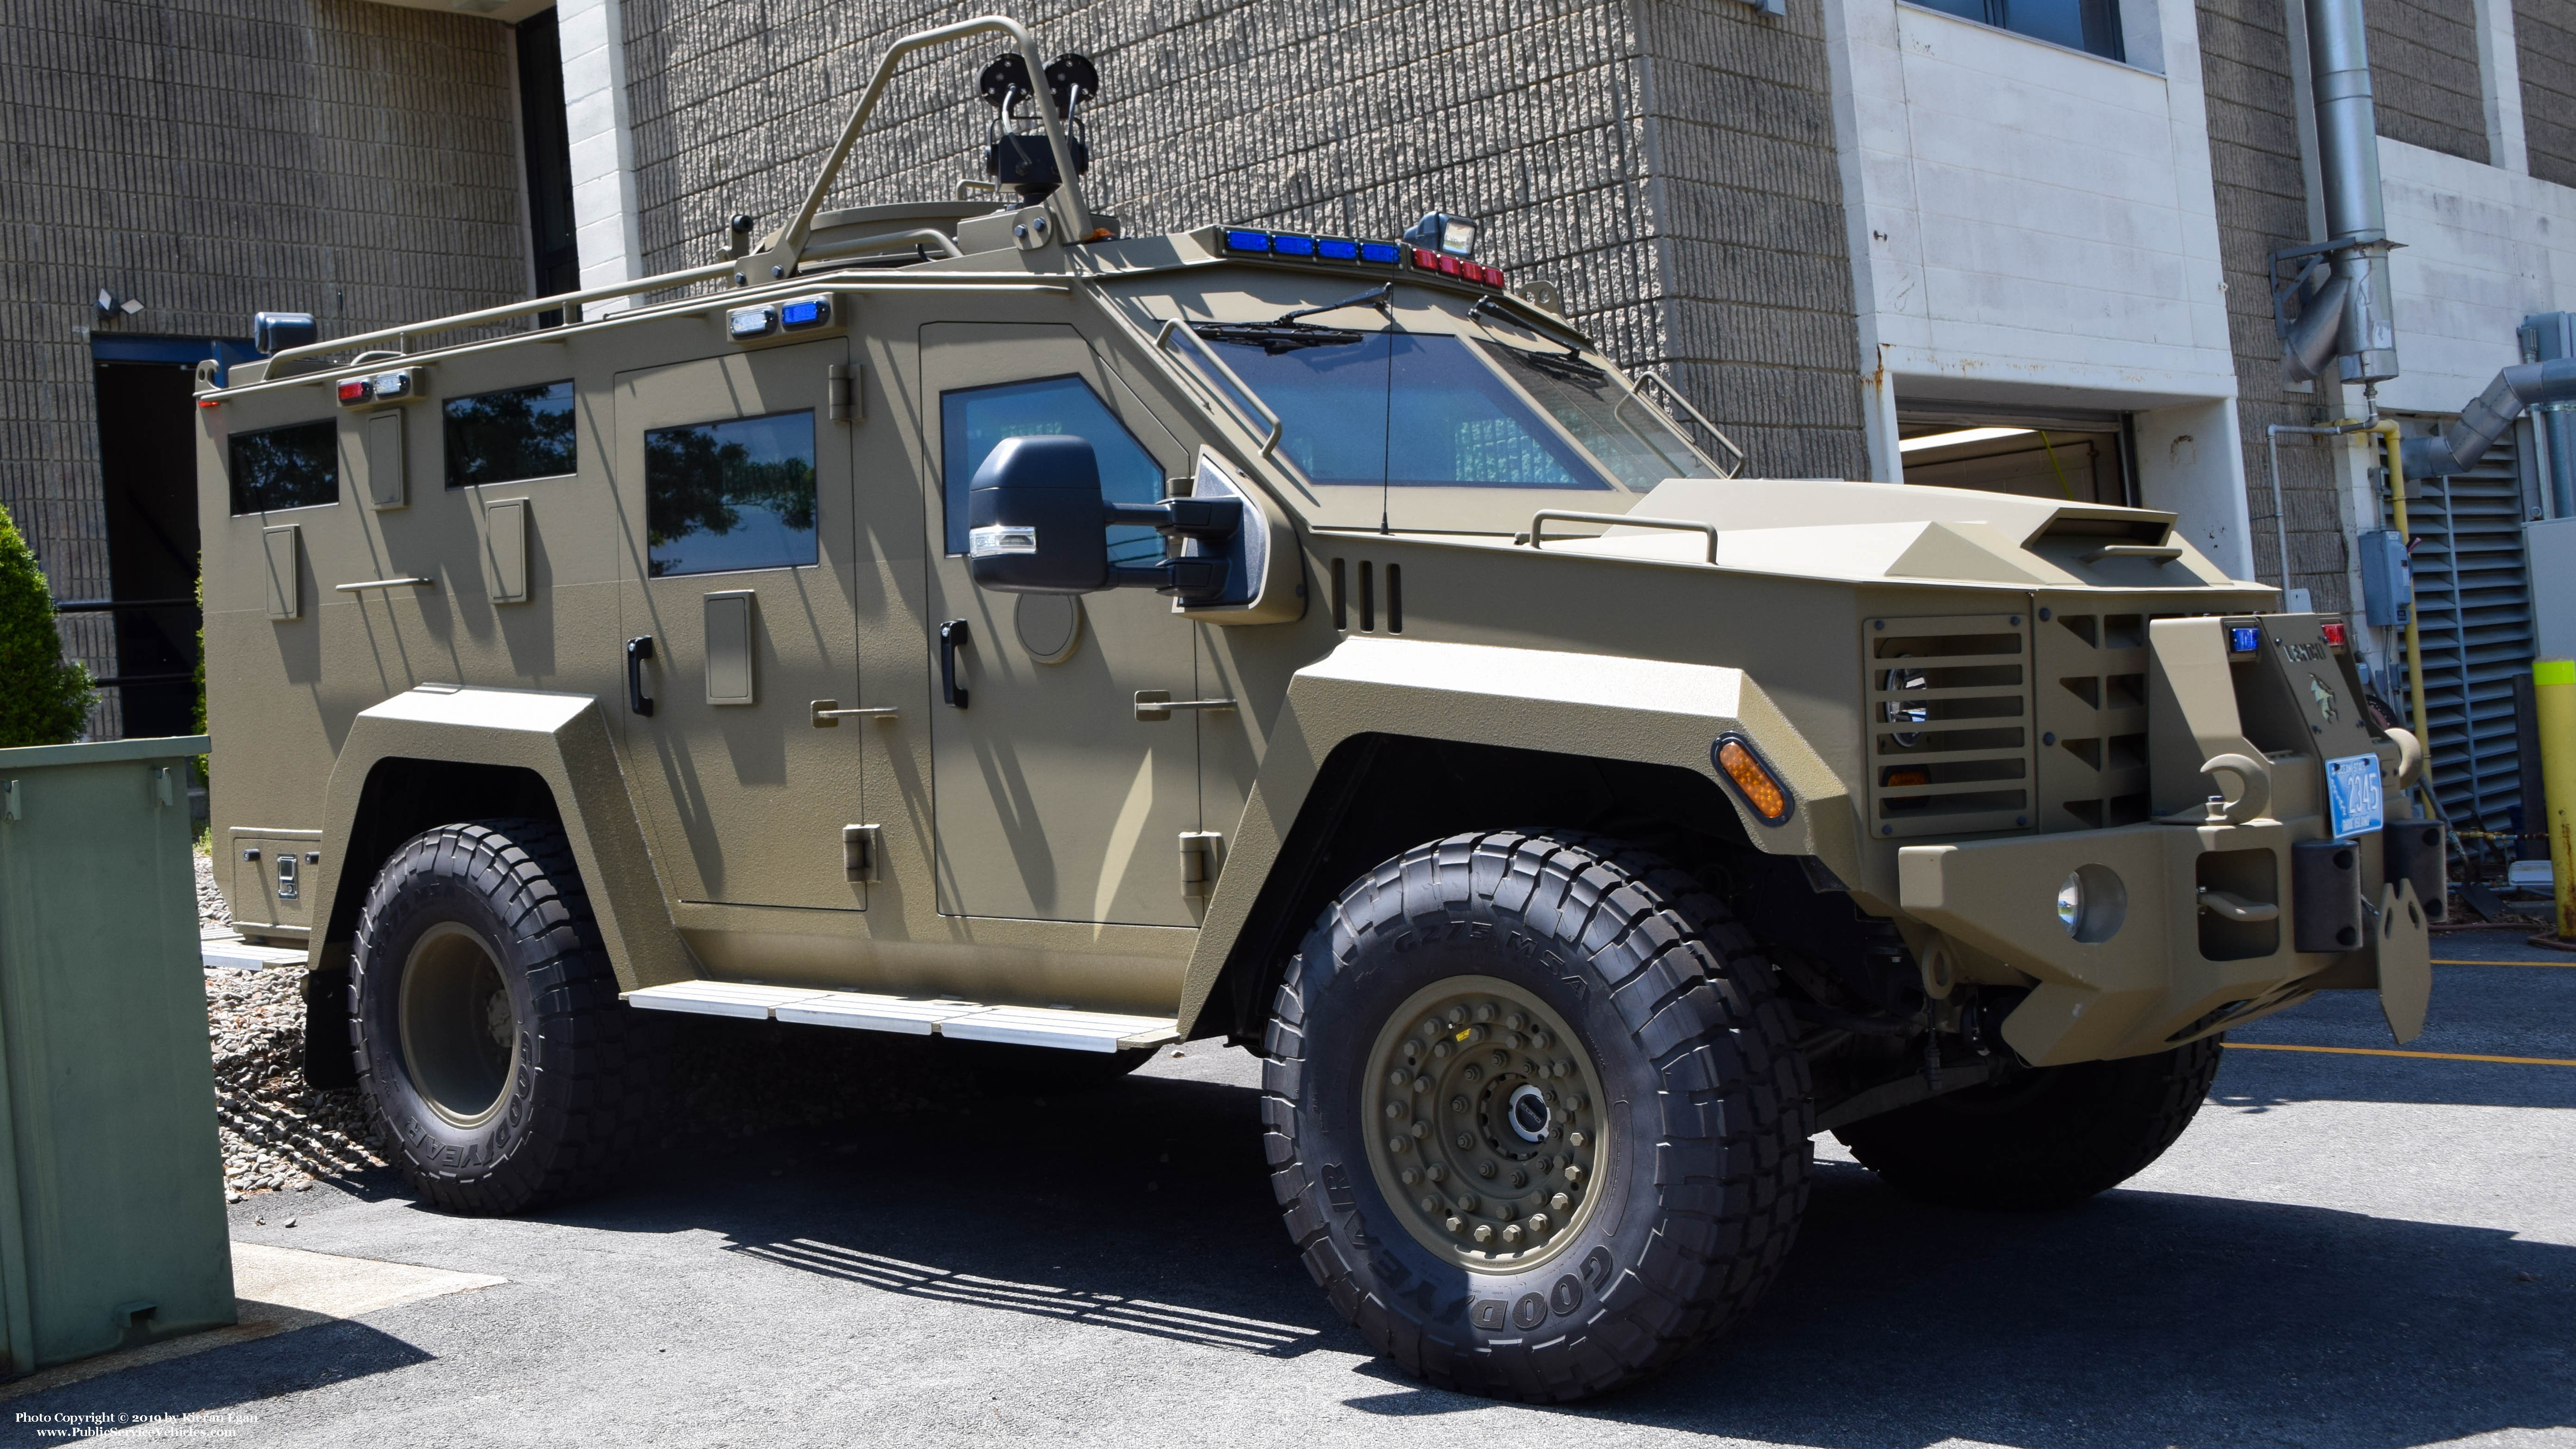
[[1287, 333]]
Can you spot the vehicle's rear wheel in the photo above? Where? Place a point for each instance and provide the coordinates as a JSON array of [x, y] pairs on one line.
[[1534, 1115], [2042, 1138], [485, 1025]]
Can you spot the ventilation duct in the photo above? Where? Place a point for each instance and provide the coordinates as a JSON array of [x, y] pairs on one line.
[[2458, 448], [2340, 286]]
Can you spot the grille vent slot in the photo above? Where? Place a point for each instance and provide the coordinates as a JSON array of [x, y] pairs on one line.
[[2092, 716], [1949, 714]]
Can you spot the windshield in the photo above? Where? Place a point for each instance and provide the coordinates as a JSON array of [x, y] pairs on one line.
[[1422, 410]]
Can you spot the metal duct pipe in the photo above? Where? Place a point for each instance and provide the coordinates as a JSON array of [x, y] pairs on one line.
[[2457, 450], [2348, 161]]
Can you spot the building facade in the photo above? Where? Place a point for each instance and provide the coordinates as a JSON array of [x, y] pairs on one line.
[[2016, 244]]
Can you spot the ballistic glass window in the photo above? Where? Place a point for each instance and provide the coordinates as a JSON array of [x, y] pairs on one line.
[[730, 496], [1620, 429], [296, 466], [974, 421], [514, 434], [1401, 410]]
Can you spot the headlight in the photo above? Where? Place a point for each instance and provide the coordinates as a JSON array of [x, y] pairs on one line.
[[2092, 904]]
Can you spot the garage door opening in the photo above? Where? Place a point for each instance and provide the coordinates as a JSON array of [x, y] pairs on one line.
[[2067, 456]]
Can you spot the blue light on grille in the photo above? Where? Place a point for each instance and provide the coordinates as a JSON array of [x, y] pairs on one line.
[[2244, 638], [805, 312], [1337, 249], [1288, 244], [1378, 252], [1247, 241]]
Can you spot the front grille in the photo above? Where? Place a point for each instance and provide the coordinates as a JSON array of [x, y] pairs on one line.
[[1949, 711], [2092, 720]]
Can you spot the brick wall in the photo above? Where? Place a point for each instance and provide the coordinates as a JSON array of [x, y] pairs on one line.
[[1350, 116], [2544, 34], [212, 158], [2262, 207], [2424, 74]]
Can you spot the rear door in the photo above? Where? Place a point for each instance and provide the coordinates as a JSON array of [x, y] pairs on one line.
[[733, 484]]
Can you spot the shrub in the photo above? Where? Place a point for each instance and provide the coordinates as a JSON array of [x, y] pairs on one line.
[[44, 698]]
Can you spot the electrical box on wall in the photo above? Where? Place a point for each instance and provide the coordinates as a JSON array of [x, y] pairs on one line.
[[2387, 581]]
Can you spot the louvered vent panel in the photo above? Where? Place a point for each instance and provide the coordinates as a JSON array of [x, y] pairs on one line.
[[1950, 739], [2092, 716]]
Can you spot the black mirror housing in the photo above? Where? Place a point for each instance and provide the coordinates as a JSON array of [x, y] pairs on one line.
[[278, 331], [1034, 518]]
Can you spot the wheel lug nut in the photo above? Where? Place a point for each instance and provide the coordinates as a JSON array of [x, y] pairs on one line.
[[1577, 1102], [1575, 1138], [1397, 1144], [1573, 1173], [1410, 1176], [1440, 1052], [1395, 1079], [1431, 1205], [1394, 1111], [1484, 1011], [1473, 1073], [1422, 1084], [1514, 1021], [1538, 1223], [1453, 1224], [1486, 1169], [1484, 1232], [1421, 1129], [1458, 1103], [1467, 1202], [1519, 1178], [1454, 1016], [1466, 1141], [1512, 1235], [1560, 1202]]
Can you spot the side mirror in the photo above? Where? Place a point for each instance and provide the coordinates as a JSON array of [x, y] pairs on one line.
[[1037, 524], [1034, 519]]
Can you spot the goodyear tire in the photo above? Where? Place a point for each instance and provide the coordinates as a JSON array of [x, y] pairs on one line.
[[2045, 1138], [1536, 1003], [484, 1021]]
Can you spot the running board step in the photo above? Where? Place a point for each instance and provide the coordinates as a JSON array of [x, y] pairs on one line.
[[237, 954], [1039, 1026]]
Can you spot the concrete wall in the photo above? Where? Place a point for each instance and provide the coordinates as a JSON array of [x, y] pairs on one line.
[[216, 157], [2424, 75], [2485, 248], [1350, 116], [2545, 49]]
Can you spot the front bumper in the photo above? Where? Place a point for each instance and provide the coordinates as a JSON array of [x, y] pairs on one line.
[[2171, 971]]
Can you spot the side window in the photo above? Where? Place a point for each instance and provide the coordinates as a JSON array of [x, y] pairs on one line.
[[296, 466], [974, 420], [513, 434], [723, 497]]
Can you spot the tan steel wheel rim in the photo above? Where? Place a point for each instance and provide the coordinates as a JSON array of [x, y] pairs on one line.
[[1484, 1123], [460, 1036]]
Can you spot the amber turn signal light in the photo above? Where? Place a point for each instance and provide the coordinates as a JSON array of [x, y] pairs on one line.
[[1752, 778]]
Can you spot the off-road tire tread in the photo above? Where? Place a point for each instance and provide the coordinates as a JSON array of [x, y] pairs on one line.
[[2095, 1126], [594, 1105], [1739, 1114]]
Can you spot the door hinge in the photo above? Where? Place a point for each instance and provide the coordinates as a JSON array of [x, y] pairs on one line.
[[863, 852], [1202, 856], [845, 393]]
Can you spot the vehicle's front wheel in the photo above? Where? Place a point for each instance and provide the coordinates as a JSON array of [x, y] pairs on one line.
[[2042, 1138], [1534, 1114], [485, 1025]]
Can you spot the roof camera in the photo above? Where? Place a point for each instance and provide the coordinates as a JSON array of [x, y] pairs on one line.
[[1016, 153]]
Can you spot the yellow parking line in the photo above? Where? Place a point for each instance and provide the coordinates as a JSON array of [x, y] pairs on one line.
[[2561, 965], [2265, 1046]]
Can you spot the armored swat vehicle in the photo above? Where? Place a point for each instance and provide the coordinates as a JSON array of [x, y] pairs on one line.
[[965, 619]]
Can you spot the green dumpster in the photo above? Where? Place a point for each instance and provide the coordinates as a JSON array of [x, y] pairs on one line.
[[112, 1224]]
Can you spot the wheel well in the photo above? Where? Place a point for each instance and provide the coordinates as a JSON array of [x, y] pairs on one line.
[[404, 797], [1378, 795]]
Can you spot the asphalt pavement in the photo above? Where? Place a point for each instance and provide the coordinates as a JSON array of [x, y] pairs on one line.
[[2349, 1248]]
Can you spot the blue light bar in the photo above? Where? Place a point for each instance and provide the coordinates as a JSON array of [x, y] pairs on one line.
[[1247, 241], [1289, 244], [2244, 638], [805, 312], [1337, 249], [1383, 252]]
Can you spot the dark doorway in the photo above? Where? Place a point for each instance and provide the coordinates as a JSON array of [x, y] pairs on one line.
[[147, 454], [548, 149], [2077, 457]]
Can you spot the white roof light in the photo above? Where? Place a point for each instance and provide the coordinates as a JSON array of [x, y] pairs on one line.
[[1964, 435]]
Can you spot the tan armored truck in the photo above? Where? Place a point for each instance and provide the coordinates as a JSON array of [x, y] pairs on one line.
[[965, 619]]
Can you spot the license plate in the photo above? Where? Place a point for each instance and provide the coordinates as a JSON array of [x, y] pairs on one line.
[[2352, 795]]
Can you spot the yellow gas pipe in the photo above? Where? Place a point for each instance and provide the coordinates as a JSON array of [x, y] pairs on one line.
[[2387, 431]]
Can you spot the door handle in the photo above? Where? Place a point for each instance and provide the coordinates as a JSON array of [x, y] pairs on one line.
[[828, 713], [638, 649], [951, 635], [1158, 704]]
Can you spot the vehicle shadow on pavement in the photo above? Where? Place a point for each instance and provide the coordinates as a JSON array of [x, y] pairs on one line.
[[220, 1378], [2138, 1319]]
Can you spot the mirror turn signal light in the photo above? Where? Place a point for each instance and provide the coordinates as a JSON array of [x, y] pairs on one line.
[[1752, 778]]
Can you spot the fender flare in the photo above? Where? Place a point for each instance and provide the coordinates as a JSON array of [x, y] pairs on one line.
[[1646, 711], [564, 740]]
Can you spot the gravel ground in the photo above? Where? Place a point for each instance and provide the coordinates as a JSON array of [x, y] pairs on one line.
[[278, 1135]]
